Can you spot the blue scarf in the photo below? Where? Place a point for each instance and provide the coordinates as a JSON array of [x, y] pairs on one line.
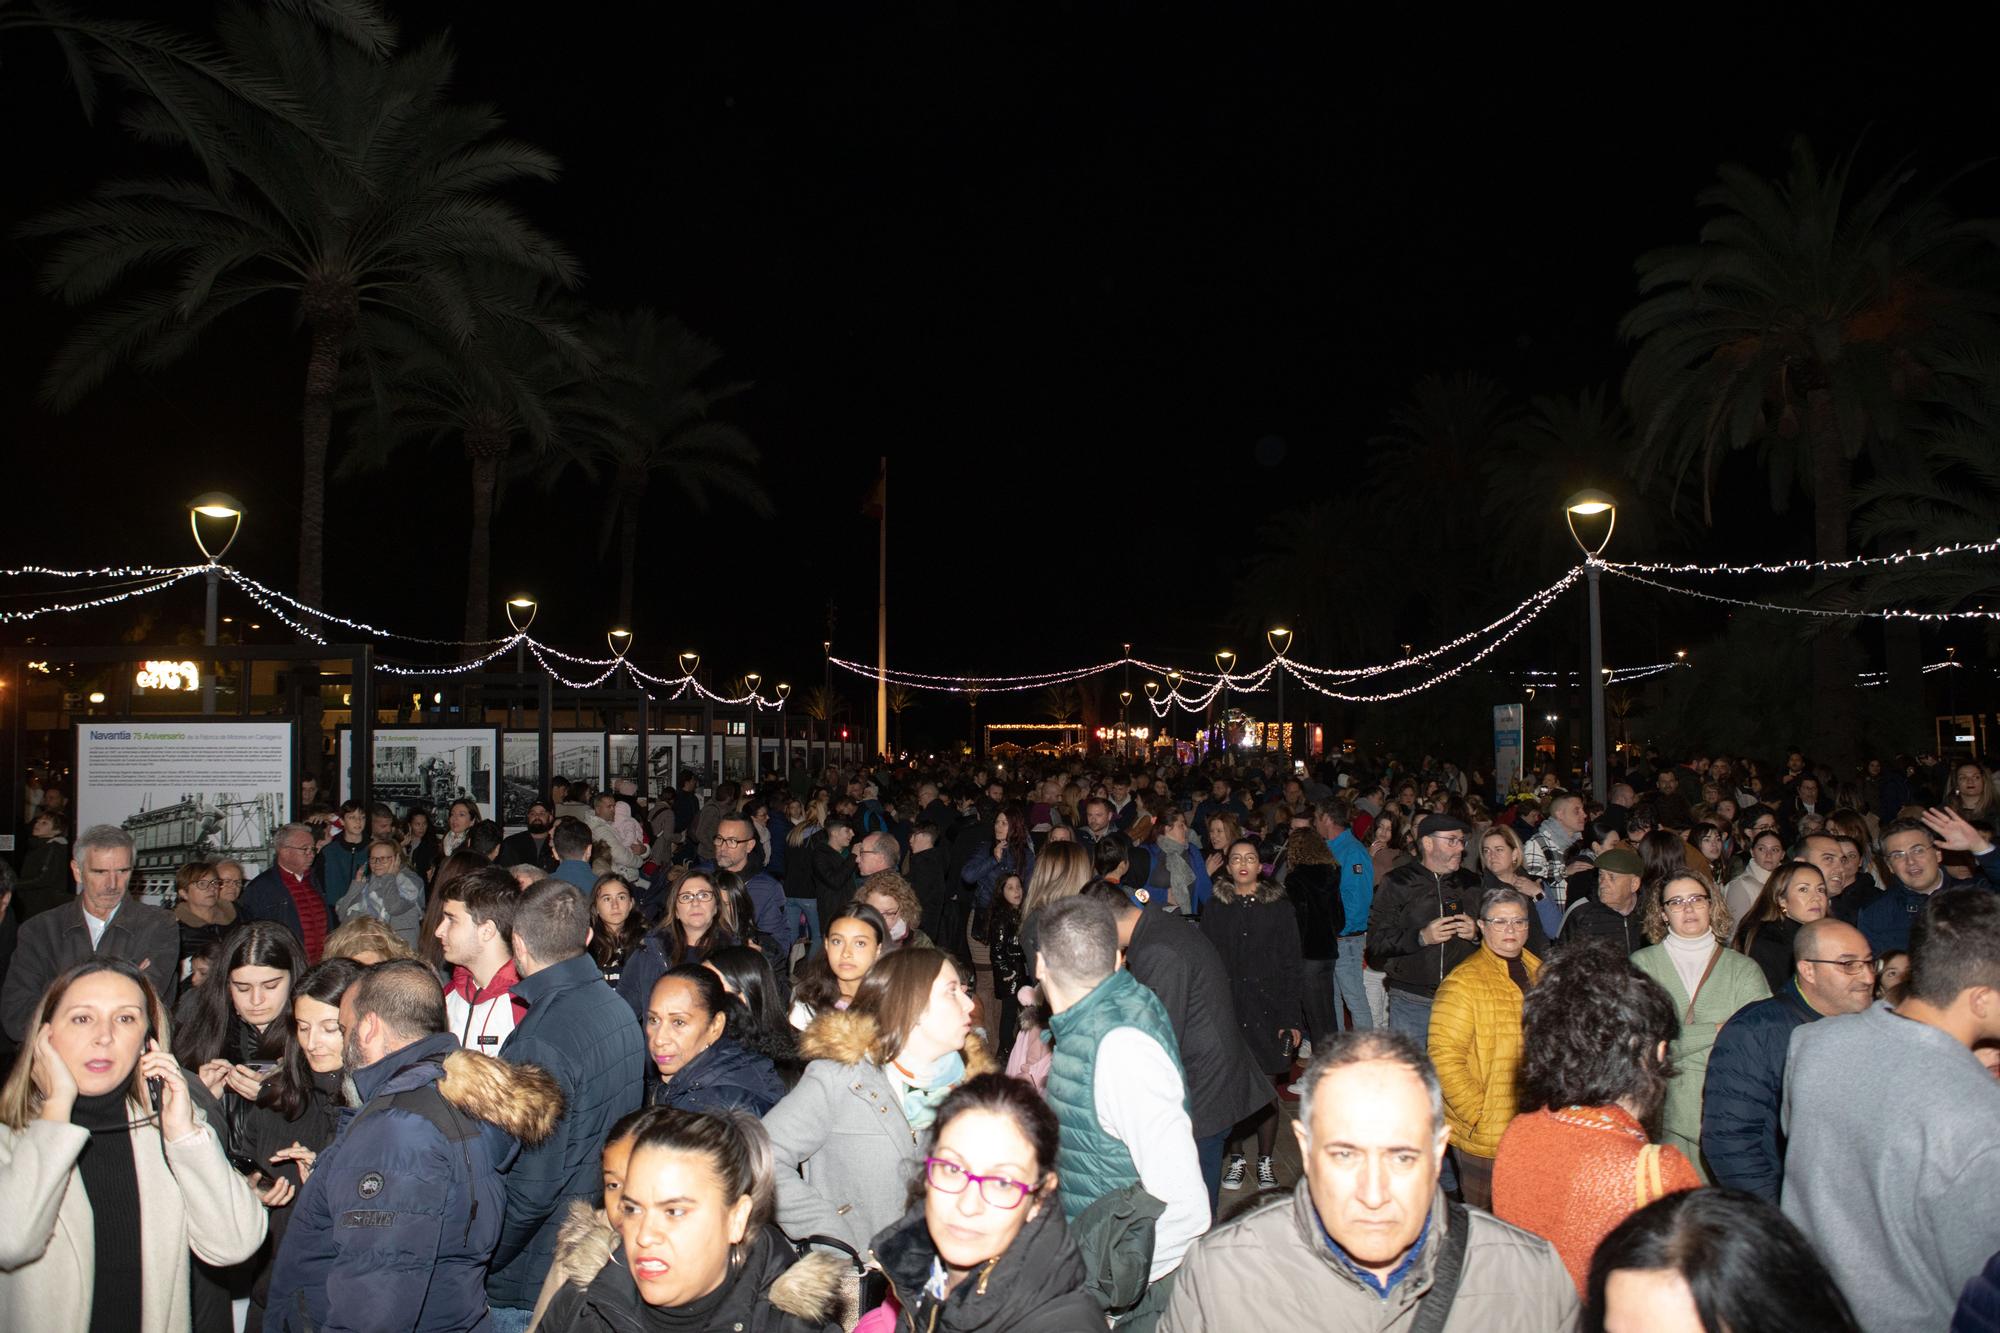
[[921, 1096]]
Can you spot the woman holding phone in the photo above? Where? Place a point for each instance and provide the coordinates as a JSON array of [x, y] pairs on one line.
[[109, 1175]]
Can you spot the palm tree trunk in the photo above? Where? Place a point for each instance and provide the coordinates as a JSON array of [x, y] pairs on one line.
[[628, 558], [485, 468], [1834, 713], [322, 378]]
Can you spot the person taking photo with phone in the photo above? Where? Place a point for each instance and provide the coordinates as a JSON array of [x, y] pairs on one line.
[[109, 1174]]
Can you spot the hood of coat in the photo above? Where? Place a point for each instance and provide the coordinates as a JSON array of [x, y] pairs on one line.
[[1042, 1266], [1267, 891], [584, 1244], [728, 1062], [811, 1289], [523, 1100], [847, 1038]]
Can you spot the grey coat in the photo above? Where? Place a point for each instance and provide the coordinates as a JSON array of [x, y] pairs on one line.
[[843, 1127]]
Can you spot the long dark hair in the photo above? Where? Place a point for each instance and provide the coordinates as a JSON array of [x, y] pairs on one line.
[[1745, 1263], [289, 1091], [608, 946], [205, 1035], [818, 989], [765, 1028], [1017, 833], [722, 931]]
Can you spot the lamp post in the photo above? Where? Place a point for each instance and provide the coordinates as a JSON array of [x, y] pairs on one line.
[[1124, 702], [1280, 640], [1223, 661], [1590, 504], [521, 614], [826, 696], [214, 505], [750, 764], [1173, 688], [784, 732]]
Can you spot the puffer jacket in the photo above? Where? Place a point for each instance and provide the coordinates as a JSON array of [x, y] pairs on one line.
[[1744, 1093], [1035, 1286], [591, 1290], [1475, 1043], [725, 1077], [583, 1035], [1274, 1261], [844, 1152], [396, 1223]]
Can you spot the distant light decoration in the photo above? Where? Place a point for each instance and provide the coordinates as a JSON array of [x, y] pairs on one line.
[[168, 676], [1814, 566], [167, 578], [1922, 617]]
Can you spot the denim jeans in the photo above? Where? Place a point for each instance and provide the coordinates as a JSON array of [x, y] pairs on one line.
[[1322, 1005], [1349, 985], [1208, 1151], [806, 909], [507, 1319]]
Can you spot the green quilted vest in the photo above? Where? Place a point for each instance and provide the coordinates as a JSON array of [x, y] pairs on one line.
[[1092, 1163]]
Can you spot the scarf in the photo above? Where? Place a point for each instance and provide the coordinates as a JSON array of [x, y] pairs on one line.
[[920, 1094], [1180, 875]]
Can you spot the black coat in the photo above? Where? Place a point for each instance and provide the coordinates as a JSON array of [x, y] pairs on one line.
[[1407, 899], [1591, 919], [927, 879], [1315, 894], [521, 849], [1258, 939], [1171, 957], [266, 898], [1036, 1286], [725, 1077], [1772, 950], [755, 1300]]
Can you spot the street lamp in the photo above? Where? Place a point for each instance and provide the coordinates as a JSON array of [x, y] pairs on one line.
[[689, 661], [1589, 504], [1280, 640], [1124, 702], [753, 679], [620, 642], [218, 506], [784, 733], [1223, 661], [521, 612]]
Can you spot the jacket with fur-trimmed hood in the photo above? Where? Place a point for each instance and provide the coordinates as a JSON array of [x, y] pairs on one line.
[[1257, 935], [769, 1290], [845, 1152], [396, 1223]]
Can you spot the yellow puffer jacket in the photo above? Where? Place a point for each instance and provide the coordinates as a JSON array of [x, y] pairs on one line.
[[1476, 1047]]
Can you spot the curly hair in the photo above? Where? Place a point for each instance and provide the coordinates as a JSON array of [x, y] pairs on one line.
[[1720, 923], [1592, 1025], [892, 885]]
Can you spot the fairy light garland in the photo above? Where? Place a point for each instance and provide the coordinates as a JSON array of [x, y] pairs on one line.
[[108, 599], [361, 627], [453, 668], [1815, 566], [107, 572], [1925, 617]]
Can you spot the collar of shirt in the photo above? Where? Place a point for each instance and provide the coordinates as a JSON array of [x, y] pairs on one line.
[[293, 882], [1379, 1286]]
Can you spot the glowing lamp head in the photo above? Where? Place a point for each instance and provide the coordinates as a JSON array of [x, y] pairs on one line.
[[220, 507], [1590, 503]]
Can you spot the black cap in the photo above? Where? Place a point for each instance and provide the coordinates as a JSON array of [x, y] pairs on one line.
[[1441, 824]]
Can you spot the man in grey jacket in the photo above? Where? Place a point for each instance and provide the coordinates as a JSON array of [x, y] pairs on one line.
[[1358, 1243], [1894, 1127], [103, 921]]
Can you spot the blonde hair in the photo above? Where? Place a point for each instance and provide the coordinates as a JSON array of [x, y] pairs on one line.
[[1506, 835], [366, 934], [1061, 871], [21, 1100]]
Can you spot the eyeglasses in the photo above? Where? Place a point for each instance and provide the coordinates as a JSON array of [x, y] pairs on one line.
[[1686, 900], [733, 842], [698, 896], [999, 1191], [208, 879], [1921, 849], [1246, 859], [1851, 966], [1506, 922]]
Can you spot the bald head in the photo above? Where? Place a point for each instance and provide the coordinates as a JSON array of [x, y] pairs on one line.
[[1835, 966]]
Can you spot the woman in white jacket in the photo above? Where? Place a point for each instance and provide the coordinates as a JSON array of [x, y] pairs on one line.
[[103, 1196]]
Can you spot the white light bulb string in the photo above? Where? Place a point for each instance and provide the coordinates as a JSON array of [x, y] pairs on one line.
[[1926, 617], [168, 579], [1815, 566], [248, 583]]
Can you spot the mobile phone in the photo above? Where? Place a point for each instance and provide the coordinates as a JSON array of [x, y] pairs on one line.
[[152, 1084], [1452, 907], [262, 1068]]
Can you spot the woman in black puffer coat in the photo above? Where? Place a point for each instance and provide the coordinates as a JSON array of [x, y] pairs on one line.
[[987, 1215], [655, 1270]]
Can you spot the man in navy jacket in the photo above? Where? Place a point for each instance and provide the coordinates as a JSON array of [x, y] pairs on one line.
[[1832, 973], [394, 1227]]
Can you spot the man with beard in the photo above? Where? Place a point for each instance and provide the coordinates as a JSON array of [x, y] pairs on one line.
[[530, 847], [394, 1227]]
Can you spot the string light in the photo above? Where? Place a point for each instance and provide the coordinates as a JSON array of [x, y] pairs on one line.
[[108, 572], [1815, 566], [1928, 617], [921, 680], [453, 668], [108, 599], [248, 584]]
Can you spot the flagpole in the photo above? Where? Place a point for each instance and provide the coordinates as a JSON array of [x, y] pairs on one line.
[[882, 623]]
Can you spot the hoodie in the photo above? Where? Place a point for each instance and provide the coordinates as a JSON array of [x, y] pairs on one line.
[[483, 1017]]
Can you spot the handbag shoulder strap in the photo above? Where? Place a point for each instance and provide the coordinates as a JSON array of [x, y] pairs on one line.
[[1694, 995], [1435, 1307], [1648, 1181]]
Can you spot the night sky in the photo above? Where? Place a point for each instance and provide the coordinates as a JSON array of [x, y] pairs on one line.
[[1107, 287]]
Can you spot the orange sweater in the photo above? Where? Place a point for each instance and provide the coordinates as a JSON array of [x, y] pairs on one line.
[[1572, 1175]]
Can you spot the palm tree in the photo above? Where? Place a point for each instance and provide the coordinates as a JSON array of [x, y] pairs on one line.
[[385, 224], [1061, 703], [1298, 576], [1799, 323], [1436, 441], [901, 699], [519, 385], [823, 706], [663, 429]]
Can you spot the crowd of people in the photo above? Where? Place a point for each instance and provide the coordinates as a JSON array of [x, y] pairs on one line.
[[953, 1046]]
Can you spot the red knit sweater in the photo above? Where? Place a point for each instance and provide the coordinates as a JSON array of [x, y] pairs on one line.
[[1572, 1175]]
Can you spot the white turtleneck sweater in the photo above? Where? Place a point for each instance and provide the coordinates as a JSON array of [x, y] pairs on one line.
[[1690, 958]]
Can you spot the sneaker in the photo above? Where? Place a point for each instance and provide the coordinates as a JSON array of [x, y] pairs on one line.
[[1295, 1090], [1232, 1175], [1305, 1052], [1267, 1175]]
